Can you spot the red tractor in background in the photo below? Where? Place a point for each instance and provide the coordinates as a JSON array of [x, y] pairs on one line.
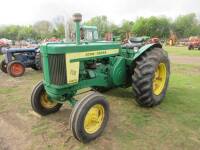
[[194, 42]]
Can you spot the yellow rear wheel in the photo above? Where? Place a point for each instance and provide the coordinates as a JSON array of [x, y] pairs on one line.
[[159, 79]]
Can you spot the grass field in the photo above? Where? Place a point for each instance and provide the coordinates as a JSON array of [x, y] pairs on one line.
[[175, 124], [182, 51]]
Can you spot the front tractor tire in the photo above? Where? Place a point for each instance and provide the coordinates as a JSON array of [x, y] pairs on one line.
[[89, 117], [41, 103], [150, 77]]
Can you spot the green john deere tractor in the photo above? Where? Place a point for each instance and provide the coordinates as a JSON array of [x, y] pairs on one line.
[[69, 67]]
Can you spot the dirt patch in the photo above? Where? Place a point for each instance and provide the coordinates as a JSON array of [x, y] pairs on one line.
[[11, 137], [184, 59]]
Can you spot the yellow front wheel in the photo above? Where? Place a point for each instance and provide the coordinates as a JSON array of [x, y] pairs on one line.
[[89, 117], [41, 103], [94, 118]]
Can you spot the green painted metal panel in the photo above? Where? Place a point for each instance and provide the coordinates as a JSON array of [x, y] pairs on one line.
[[62, 48], [118, 71], [144, 48]]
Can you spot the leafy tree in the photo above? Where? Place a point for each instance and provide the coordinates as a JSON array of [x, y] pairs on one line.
[[187, 25], [11, 32], [126, 26], [43, 28], [26, 32], [164, 27], [59, 31], [102, 24], [152, 26], [140, 27], [59, 27], [125, 29], [183, 26], [114, 29]]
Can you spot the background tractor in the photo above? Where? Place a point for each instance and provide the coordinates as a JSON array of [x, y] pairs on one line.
[[194, 42], [69, 67], [17, 59]]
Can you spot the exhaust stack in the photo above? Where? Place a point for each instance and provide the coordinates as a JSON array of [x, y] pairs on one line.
[[77, 18]]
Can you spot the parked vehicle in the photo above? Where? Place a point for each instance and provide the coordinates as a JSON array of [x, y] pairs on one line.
[[194, 43], [101, 65], [17, 59]]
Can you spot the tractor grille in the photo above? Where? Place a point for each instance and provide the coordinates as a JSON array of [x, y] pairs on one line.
[[57, 69]]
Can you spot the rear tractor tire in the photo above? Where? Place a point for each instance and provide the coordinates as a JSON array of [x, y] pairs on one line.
[[40, 102], [15, 68], [38, 62], [3, 66], [150, 77], [89, 117]]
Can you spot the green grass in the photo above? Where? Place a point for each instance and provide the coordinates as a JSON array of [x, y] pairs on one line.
[[174, 124], [181, 51], [6, 90]]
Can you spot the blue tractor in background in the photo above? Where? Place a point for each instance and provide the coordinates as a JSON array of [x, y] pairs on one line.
[[17, 59]]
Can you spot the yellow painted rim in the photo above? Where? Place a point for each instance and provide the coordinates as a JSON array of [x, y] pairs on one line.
[[45, 102], [159, 79], [94, 119]]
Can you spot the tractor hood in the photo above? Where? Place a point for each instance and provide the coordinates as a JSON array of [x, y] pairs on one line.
[[5, 50]]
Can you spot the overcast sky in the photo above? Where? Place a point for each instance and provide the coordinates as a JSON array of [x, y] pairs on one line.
[[30, 11]]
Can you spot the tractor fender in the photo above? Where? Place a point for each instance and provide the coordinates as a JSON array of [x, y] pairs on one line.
[[145, 48]]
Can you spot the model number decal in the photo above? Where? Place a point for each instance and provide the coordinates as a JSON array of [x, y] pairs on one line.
[[95, 53], [88, 54]]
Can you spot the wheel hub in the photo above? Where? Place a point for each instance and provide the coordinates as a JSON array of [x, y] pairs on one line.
[[159, 79], [16, 69], [94, 119], [47, 103]]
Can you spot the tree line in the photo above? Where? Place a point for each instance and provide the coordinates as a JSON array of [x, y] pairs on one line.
[[183, 26]]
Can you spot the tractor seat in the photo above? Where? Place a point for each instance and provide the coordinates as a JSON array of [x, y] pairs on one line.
[[132, 45]]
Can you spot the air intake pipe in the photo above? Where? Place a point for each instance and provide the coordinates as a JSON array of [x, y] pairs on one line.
[[77, 18]]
